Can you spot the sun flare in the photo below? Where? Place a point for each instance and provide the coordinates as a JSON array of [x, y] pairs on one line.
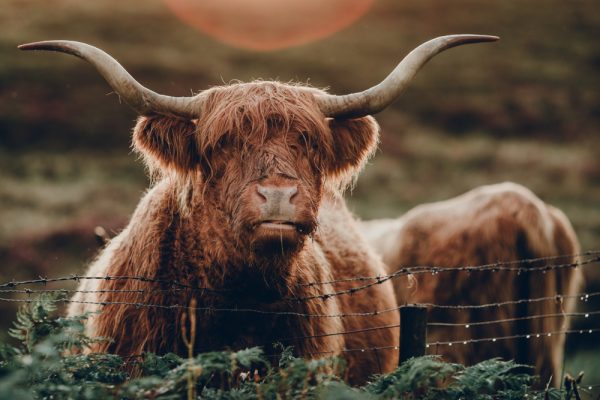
[[265, 25]]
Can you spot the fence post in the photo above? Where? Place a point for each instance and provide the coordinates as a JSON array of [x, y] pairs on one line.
[[413, 331]]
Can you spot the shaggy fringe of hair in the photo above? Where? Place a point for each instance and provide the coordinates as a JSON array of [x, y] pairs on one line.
[[244, 114]]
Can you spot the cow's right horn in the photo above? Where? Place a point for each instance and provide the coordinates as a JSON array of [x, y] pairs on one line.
[[378, 97], [138, 97]]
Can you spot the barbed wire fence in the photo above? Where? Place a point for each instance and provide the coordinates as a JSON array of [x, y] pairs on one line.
[[413, 317]]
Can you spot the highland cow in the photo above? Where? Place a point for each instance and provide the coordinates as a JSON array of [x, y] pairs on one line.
[[247, 205], [490, 224]]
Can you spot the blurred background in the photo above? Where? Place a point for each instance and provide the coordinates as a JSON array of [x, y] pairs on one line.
[[525, 109]]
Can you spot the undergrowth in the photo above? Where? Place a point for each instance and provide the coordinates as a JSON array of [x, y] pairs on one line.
[[47, 363]]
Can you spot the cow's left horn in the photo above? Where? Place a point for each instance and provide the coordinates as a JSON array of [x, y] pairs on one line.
[[377, 98], [138, 97]]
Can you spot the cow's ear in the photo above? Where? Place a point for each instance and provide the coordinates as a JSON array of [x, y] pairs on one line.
[[167, 142], [354, 141]]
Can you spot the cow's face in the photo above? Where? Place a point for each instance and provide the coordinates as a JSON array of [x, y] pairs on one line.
[[266, 156], [270, 189]]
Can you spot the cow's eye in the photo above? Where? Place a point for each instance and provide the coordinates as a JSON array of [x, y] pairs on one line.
[[223, 142]]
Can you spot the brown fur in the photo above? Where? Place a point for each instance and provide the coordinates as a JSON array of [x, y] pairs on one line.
[[502, 222], [196, 226]]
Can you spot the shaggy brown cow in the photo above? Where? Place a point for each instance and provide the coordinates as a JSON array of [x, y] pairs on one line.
[[247, 204], [494, 223]]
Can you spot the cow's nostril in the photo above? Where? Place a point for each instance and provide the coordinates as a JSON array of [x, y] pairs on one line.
[[262, 193], [293, 194]]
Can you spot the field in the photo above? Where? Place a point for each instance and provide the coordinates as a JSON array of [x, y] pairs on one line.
[[526, 109]]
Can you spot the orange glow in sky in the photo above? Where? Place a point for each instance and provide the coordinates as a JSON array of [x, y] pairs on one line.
[[269, 24]]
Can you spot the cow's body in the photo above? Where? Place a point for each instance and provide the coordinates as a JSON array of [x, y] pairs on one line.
[[199, 236], [503, 222]]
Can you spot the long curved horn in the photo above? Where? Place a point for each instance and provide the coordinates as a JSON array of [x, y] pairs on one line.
[[138, 97], [377, 98]]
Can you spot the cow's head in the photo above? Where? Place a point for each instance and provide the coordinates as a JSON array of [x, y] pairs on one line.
[[265, 153], [262, 152]]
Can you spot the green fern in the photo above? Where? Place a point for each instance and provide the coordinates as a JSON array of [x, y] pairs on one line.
[[35, 323]]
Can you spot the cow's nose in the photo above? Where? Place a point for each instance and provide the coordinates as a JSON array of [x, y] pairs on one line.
[[277, 201], [277, 194]]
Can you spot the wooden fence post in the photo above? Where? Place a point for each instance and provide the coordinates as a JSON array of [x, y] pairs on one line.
[[413, 332]]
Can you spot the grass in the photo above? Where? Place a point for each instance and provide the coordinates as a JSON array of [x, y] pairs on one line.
[[42, 191]]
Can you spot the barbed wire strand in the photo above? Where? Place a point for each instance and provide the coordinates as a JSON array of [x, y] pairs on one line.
[[519, 336], [582, 296], [435, 270], [484, 267], [469, 341], [76, 278], [38, 291], [466, 325], [176, 286], [557, 297], [529, 317]]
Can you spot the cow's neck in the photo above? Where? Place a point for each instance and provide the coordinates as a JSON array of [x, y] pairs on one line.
[[199, 250], [239, 284]]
